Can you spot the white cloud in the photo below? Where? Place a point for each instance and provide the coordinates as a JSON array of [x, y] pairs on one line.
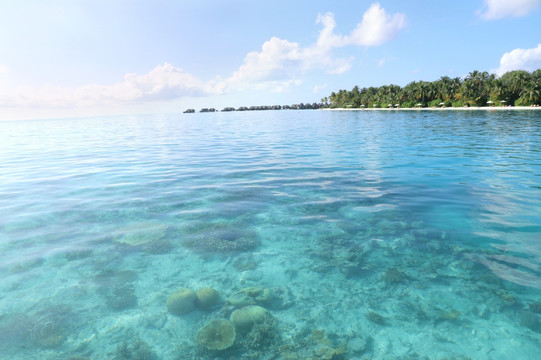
[[165, 82], [520, 59], [327, 38], [278, 66], [498, 9], [3, 69], [280, 61], [377, 27]]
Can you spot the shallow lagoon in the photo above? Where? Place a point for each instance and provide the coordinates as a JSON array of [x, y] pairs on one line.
[[366, 235]]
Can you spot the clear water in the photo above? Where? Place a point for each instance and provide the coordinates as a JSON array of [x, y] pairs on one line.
[[379, 235]]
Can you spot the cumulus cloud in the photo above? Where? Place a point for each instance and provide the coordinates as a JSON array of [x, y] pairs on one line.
[[278, 66], [281, 61], [520, 59], [377, 27], [327, 38], [165, 82], [498, 9]]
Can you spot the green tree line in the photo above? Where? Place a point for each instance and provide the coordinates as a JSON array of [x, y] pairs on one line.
[[518, 88]]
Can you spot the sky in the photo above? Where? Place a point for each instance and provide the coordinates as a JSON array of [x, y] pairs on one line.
[[67, 58]]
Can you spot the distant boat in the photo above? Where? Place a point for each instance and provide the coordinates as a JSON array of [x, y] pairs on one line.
[[189, 111]]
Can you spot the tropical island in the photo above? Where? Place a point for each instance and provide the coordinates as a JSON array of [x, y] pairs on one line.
[[514, 89], [478, 89], [301, 106]]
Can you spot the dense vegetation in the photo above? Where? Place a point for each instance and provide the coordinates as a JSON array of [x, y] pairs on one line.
[[519, 88]]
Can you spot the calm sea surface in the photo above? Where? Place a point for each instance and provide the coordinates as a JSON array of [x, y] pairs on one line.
[[323, 235]]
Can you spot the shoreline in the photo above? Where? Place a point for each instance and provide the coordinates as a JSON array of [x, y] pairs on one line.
[[486, 108]]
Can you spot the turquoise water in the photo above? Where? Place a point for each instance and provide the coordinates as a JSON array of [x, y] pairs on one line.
[[364, 235]]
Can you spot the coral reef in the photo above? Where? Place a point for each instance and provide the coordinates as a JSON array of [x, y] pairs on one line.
[[535, 307], [138, 350], [393, 276], [140, 233], [158, 247], [50, 337], [530, 320], [120, 297], [46, 328], [244, 319], [262, 335], [219, 238], [375, 318], [448, 315], [314, 346], [51, 324], [77, 254], [15, 329], [282, 297], [108, 278], [244, 262], [219, 334], [250, 296], [206, 298], [26, 265], [116, 288], [181, 301]]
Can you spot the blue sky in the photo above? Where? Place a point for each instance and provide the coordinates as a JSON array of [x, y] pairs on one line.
[[83, 58]]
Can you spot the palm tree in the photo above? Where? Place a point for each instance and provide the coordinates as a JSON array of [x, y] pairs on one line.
[[422, 91], [477, 88], [513, 82], [531, 94]]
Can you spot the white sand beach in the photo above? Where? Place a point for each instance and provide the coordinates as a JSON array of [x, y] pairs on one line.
[[487, 108]]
